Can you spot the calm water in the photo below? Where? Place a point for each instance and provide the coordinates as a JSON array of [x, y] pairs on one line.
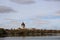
[[32, 38]]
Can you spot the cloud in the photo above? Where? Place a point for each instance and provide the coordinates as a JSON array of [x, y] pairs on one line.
[[52, 0], [46, 23], [8, 19], [56, 14], [15, 22], [5, 9], [39, 21], [9, 23], [12, 21], [23, 1]]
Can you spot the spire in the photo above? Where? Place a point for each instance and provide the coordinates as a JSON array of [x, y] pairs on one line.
[[23, 25]]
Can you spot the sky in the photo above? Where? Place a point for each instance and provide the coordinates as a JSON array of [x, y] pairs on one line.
[[40, 14]]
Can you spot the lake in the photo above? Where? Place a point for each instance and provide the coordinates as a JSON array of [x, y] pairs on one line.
[[32, 38]]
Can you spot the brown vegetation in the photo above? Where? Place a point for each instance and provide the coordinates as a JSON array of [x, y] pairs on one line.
[[28, 32]]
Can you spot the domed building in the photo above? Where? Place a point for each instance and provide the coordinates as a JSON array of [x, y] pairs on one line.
[[23, 25]]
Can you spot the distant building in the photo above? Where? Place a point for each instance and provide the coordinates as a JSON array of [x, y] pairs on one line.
[[23, 25]]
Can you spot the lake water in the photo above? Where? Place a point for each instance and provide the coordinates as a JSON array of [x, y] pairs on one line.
[[32, 38]]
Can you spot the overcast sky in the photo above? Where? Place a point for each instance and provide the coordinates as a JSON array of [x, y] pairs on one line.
[[41, 14]]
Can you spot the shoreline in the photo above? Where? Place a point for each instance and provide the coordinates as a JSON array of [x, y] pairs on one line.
[[28, 32]]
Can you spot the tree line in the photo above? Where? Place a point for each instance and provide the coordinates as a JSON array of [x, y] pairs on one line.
[[27, 32]]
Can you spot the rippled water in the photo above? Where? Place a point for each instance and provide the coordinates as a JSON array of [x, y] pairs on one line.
[[32, 38]]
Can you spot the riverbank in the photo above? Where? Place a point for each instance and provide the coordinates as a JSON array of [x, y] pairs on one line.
[[28, 32]]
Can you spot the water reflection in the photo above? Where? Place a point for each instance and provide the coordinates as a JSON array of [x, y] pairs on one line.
[[2, 38], [23, 38], [32, 38]]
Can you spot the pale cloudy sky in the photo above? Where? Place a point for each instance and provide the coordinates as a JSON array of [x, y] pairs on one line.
[[41, 14]]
